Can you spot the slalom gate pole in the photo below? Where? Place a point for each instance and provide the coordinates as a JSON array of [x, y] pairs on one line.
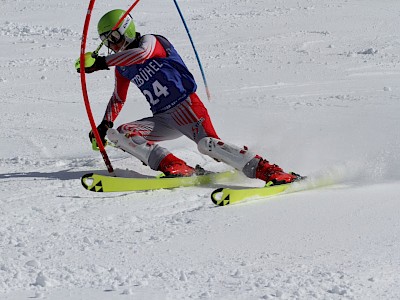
[[85, 93], [125, 14], [194, 49], [83, 79]]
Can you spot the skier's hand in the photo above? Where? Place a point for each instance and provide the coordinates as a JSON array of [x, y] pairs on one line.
[[92, 64], [102, 129]]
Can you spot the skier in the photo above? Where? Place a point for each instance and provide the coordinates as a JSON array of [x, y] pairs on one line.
[[151, 62]]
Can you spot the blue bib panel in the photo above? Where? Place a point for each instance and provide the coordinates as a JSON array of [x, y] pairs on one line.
[[165, 82]]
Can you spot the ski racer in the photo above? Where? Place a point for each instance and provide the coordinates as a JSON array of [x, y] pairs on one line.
[[152, 63]]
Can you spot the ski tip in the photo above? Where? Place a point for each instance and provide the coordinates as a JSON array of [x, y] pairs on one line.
[[85, 180], [218, 197], [91, 184]]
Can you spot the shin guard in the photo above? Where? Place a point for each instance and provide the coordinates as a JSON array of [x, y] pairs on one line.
[[149, 153], [239, 158]]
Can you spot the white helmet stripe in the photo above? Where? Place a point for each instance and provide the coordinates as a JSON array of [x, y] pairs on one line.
[[124, 25]]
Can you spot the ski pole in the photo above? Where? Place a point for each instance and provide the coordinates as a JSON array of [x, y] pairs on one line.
[[194, 49]]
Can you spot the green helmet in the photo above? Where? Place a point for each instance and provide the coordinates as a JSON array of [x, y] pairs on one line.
[[107, 22]]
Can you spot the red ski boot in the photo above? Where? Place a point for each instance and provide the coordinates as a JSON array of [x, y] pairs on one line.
[[273, 174], [172, 166]]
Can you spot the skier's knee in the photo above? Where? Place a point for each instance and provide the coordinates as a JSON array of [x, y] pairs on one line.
[[128, 132]]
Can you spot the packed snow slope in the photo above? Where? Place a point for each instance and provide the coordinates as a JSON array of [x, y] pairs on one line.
[[312, 85]]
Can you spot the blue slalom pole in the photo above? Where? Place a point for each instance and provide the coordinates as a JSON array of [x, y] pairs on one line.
[[195, 51]]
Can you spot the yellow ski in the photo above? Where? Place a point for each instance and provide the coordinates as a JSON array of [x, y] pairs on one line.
[[226, 196], [103, 183]]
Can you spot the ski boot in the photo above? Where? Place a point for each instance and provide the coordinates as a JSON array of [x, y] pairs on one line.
[[273, 174], [172, 166]]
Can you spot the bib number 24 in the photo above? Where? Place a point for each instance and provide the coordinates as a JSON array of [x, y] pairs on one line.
[[158, 91]]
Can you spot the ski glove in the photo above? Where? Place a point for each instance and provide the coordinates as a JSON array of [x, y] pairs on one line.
[[102, 129], [99, 64]]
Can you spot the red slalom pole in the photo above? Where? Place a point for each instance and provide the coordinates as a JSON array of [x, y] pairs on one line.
[[125, 14], [85, 93], [83, 80]]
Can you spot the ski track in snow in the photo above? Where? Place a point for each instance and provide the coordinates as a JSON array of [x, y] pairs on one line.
[[311, 85]]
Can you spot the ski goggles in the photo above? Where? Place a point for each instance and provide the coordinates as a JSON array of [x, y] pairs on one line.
[[111, 37]]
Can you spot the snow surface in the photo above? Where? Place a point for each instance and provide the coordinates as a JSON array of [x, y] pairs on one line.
[[312, 85]]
